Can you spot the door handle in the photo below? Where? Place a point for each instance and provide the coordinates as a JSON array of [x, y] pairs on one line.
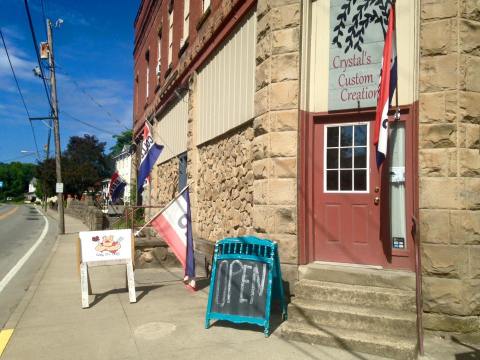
[[376, 200]]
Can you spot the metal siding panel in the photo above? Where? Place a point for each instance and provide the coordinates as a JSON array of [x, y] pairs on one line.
[[227, 84], [172, 130]]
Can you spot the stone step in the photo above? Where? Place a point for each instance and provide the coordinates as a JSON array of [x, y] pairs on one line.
[[357, 275], [365, 296], [350, 340], [376, 321]]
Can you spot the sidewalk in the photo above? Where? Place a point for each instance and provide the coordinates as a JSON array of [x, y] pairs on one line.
[[166, 322]]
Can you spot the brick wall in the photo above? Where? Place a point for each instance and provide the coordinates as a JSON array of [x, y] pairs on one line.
[[449, 163]]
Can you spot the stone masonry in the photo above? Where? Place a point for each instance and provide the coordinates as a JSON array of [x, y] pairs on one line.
[[165, 182], [225, 186], [275, 127], [449, 163]]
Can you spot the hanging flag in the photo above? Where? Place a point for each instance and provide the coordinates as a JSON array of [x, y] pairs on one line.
[[174, 225], [150, 153], [387, 86], [116, 187]]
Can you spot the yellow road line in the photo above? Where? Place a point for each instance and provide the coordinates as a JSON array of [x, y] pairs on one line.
[[5, 336], [8, 213]]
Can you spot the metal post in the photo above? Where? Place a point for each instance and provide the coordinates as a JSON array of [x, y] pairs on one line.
[[56, 127]]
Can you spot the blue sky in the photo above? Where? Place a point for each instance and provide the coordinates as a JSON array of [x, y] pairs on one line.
[[93, 51]]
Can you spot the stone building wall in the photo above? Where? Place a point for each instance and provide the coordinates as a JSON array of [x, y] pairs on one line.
[[449, 163], [165, 182], [276, 127], [225, 186]]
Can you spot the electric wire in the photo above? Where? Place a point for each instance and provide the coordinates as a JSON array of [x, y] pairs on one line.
[[35, 46], [77, 85], [21, 94], [17, 158], [87, 124]]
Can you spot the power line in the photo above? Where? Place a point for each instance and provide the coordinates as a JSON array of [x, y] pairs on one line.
[[88, 124], [35, 45], [90, 97], [20, 92]]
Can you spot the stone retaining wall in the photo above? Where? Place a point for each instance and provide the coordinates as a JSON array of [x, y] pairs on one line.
[[449, 163], [91, 216]]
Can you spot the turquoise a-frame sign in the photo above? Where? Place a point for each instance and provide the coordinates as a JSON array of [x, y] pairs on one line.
[[246, 278]]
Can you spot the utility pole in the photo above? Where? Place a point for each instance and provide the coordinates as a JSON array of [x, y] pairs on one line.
[[56, 128]]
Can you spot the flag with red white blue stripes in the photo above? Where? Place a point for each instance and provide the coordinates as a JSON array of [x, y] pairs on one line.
[[150, 153], [174, 225], [387, 87]]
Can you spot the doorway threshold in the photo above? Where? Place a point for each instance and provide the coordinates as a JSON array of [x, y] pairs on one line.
[[362, 266]]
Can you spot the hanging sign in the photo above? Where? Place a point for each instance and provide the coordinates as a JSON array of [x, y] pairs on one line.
[[357, 32], [108, 247], [246, 277]]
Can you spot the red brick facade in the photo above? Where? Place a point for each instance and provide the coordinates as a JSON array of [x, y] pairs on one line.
[[206, 31]]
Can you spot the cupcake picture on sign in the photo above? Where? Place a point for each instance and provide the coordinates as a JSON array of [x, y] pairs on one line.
[[106, 245]]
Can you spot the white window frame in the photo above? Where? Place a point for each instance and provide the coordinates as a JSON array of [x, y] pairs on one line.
[[186, 21], [170, 37], [147, 82], [205, 5], [159, 56], [326, 126]]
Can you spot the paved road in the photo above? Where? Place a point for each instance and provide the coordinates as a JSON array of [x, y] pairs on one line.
[[21, 227]]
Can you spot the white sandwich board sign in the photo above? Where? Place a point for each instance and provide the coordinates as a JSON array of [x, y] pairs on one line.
[[106, 247]]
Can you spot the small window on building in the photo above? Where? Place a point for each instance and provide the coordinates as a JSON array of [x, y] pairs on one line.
[[136, 93], [205, 5], [186, 20], [170, 36], [147, 82], [159, 56], [182, 171]]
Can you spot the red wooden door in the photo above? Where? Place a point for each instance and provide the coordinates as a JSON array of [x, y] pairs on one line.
[[346, 192]]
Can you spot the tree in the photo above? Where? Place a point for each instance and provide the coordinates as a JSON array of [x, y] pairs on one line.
[[46, 175], [85, 164], [124, 138], [15, 177]]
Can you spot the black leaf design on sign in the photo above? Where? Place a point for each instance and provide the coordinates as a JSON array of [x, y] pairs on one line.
[[367, 12]]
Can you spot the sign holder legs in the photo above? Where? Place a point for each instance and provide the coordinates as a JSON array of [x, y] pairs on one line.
[[86, 287]]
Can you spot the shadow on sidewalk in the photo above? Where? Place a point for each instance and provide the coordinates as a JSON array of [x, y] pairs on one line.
[[144, 291]]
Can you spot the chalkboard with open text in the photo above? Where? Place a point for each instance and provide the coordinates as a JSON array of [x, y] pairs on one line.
[[246, 277]]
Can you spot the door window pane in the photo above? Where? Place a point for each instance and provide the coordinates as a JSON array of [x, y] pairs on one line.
[[332, 159], [346, 158], [332, 180], [346, 180], [360, 135], [346, 135], [360, 180], [332, 136], [360, 157]]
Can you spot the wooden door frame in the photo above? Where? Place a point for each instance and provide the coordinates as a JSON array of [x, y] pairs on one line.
[[306, 177]]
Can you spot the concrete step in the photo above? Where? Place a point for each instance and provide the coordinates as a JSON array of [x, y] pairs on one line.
[[356, 275], [364, 296], [350, 340], [376, 321]]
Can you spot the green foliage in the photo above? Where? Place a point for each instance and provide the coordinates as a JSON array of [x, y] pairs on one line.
[[124, 138], [84, 165], [15, 177], [46, 175]]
